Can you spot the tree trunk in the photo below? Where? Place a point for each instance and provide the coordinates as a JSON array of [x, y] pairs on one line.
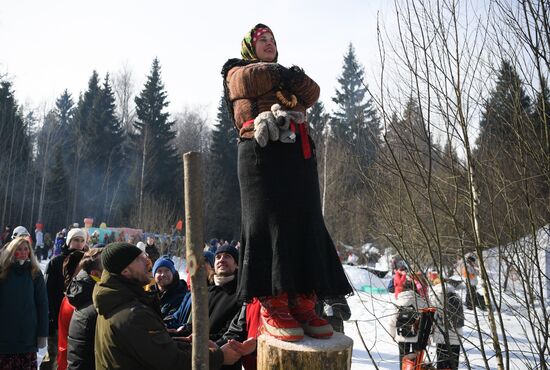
[[308, 354], [142, 177], [194, 207]]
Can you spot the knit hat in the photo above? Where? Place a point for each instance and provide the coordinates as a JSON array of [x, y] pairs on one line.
[[116, 256], [76, 232], [141, 245], [229, 249], [20, 231], [164, 261], [248, 45], [209, 256]]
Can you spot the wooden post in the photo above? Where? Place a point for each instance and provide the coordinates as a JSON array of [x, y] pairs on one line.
[[194, 256], [307, 354]]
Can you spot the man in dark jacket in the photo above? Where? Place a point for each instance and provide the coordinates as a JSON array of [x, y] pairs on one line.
[[76, 240], [168, 286], [80, 349], [222, 297], [130, 333]]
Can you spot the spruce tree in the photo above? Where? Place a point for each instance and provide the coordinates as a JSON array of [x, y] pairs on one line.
[[159, 162], [355, 121], [506, 111], [57, 193], [16, 153], [223, 221], [107, 145], [409, 136], [317, 119], [64, 110], [508, 173], [79, 152], [94, 151]]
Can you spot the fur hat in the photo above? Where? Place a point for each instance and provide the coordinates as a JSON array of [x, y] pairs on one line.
[[76, 232], [164, 261], [229, 249], [116, 256]]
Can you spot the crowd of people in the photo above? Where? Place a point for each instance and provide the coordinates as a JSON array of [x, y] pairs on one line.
[[138, 284], [135, 288]]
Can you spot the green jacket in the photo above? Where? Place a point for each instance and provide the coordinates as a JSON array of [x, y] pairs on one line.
[[130, 334]]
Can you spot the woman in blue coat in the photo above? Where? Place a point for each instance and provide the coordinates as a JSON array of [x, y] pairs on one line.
[[23, 307]]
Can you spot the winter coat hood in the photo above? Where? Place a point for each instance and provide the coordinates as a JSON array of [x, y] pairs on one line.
[[114, 292], [410, 297], [79, 291]]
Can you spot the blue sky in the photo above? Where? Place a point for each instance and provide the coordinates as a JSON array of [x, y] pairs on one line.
[[50, 45]]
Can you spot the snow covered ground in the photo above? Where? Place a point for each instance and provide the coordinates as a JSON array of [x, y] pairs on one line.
[[368, 328]]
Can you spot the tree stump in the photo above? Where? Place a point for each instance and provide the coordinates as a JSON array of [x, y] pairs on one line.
[[307, 354]]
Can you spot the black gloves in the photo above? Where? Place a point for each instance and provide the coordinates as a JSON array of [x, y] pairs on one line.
[[290, 76]]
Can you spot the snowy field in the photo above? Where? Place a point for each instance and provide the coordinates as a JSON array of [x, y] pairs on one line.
[[368, 328]]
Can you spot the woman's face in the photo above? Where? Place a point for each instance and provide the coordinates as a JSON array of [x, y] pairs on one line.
[[266, 49], [22, 252], [77, 243]]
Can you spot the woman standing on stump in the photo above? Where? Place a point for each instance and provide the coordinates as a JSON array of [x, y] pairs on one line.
[[287, 258]]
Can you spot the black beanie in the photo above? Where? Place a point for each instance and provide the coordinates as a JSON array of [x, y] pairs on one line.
[[230, 250], [116, 256]]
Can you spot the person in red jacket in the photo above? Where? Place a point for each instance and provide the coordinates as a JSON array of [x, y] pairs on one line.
[[400, 277]]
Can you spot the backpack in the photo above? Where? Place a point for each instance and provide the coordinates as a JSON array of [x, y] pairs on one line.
[[456, 311], [407, 321]]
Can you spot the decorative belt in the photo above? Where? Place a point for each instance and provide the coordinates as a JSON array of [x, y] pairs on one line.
[[302, 128]]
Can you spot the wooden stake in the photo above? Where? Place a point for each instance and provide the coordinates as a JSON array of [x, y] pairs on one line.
[[194, 256]]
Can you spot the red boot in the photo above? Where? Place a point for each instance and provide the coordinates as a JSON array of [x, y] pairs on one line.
[[303, 310], [277, 320]]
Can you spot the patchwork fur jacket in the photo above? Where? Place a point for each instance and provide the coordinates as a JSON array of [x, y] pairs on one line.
[[251, 89]]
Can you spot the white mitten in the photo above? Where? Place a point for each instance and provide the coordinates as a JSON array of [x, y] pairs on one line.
[[281, 116], [263, 124]]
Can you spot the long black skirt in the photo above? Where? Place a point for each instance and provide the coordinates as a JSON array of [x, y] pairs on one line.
[[285, 246]]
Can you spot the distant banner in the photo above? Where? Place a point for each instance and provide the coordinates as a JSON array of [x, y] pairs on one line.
[[112, 234]]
